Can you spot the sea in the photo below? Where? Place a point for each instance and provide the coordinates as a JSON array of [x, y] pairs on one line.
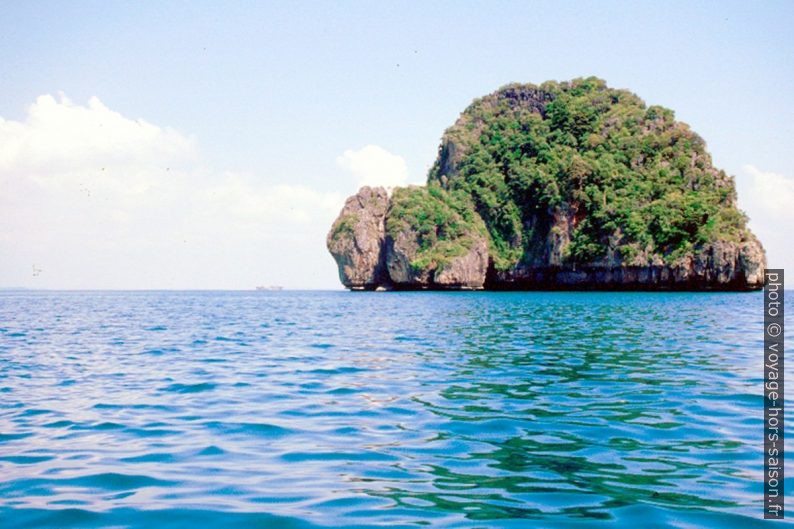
[[299, 409]]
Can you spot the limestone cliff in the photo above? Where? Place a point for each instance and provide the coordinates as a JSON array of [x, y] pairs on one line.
[[420, 239], [561, 185], [434, 240], [357, 238]]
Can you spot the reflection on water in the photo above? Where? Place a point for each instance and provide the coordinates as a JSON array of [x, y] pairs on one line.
[[187, 409]]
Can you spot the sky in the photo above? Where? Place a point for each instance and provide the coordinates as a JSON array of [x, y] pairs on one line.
[[210, 145]]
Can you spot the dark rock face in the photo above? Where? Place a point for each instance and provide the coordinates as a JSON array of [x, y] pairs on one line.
[[720, 265], [684, 276], [357, 239]]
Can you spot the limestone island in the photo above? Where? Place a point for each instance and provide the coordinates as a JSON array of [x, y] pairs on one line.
[[565, 185]]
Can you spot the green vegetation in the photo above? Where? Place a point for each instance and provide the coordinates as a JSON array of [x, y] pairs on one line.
[[624, 173], [442, 222], [344, 226]]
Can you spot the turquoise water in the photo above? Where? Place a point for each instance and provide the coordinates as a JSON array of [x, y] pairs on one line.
[[329, 409]]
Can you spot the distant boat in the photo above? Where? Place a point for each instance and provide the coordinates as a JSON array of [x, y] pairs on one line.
[[272, 287]]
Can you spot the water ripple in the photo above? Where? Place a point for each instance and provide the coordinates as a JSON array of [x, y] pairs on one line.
[[310, 409]]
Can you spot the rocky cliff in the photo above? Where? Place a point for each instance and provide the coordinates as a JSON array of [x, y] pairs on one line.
[[411, 241], [356, 240], [560, 186]]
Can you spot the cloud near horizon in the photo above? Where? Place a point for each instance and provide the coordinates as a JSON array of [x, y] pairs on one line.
[[767, 198], [375, 166], [90, 198]]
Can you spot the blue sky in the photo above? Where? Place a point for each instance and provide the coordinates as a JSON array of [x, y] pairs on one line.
[[223, 137]]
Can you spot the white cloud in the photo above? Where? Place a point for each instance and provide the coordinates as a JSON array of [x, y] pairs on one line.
[[768, 199], [375, 166], [94, 199], [246, 201], [774, 192], [60, 134]]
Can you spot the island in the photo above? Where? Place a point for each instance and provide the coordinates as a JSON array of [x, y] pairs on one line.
[[562, 185]]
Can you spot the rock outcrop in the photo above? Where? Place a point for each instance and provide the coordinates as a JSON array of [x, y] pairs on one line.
[[401, 250], [435, 239], [357, 238], [466, 271], [376, 243], [568, 185], [717, 265]]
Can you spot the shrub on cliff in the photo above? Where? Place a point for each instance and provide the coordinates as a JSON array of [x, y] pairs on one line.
[[444, 223], [628, 175]]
